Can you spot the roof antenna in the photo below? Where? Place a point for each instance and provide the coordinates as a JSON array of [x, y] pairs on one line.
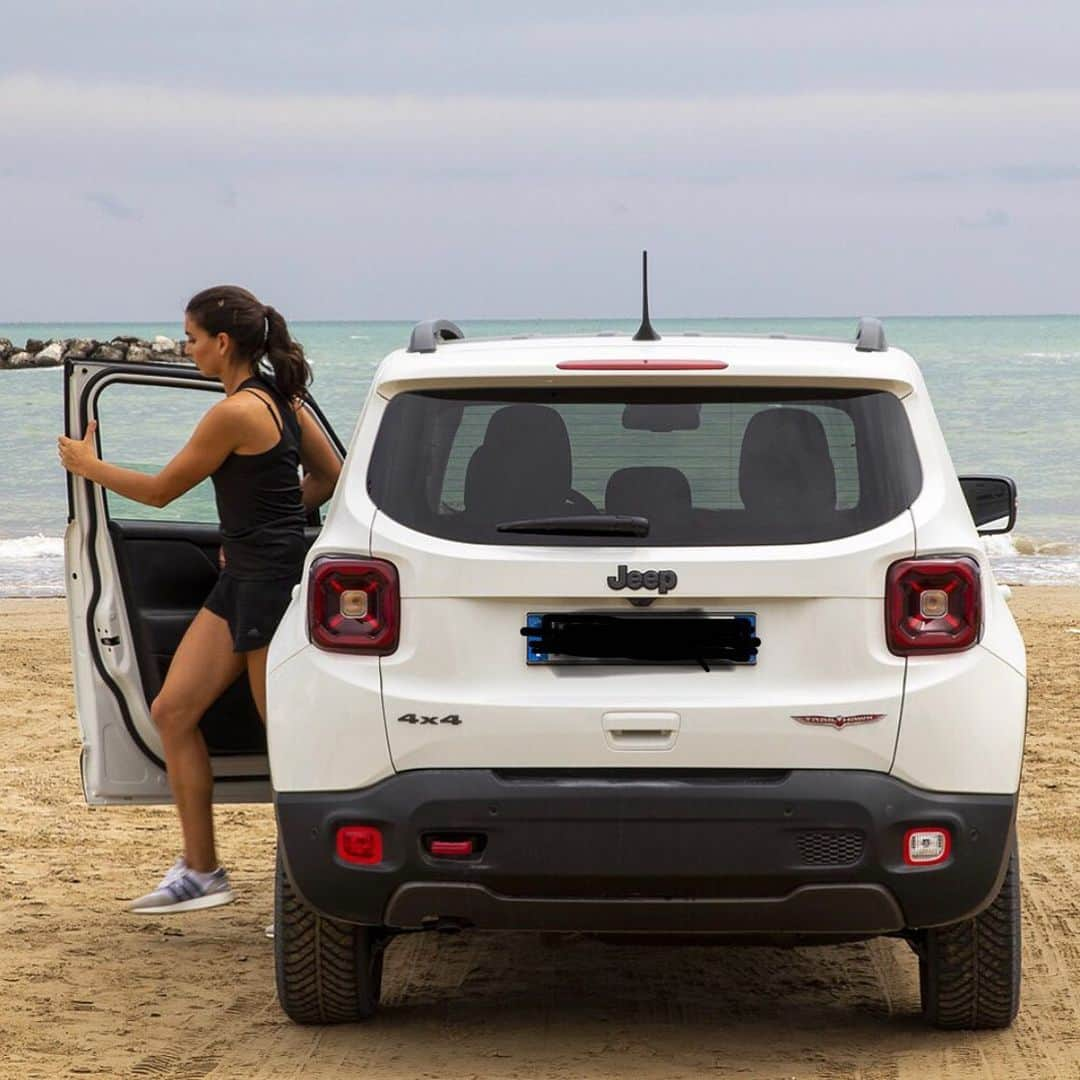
[[645, 332]]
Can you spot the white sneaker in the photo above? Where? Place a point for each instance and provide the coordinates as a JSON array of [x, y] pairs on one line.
[[183, 889], [173, 872]]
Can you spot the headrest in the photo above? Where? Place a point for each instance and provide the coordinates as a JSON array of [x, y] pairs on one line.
[[785, 466], [523, 466], [659, 493]]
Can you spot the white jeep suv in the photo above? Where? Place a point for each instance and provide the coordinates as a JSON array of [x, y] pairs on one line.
[[687, 636]]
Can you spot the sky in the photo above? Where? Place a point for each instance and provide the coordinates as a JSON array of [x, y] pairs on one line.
[[348, 160]]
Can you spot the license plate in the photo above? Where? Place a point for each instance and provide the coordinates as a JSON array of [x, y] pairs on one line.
[[641, 638]]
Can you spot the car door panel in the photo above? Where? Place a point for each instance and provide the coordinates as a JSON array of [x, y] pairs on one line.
[[167, 571], [134, 587]]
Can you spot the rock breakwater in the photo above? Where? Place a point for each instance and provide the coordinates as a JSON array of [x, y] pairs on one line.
[[118, 350]]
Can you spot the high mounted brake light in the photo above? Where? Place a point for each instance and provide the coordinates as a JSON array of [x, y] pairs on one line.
[[641, 365], [354, 606], [933, 606]]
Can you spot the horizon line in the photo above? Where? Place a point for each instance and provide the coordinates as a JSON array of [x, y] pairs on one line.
[[567, 318]]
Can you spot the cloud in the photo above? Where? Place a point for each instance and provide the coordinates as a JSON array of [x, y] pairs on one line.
[[561, 48], [807, 160], [766, 139], [1038, 174], [931, 176], [1023, 174], [32, 104], [992, 219], [112, 207]]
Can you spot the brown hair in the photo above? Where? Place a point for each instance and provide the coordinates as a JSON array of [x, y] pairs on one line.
[[258, 331]]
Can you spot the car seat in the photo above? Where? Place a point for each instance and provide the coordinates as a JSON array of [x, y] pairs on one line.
[[785, 468], [522, 469], [659, 493]]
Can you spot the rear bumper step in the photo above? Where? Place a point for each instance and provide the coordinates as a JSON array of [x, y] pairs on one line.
[[843, 909], [798, 852]]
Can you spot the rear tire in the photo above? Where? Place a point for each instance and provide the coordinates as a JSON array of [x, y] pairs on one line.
[[969, 972], [327, 972]]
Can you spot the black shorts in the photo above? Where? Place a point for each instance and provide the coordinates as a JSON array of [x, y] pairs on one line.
[[252, 609]]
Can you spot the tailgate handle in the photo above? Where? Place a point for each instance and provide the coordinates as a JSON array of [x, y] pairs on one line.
[[641, 730]]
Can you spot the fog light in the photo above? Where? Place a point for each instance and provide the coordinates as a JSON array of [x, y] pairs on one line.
[[926, 847], [934, 604], [354, 604], [359, 844]]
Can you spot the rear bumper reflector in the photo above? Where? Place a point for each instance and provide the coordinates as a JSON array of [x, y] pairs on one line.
[[450, 849]]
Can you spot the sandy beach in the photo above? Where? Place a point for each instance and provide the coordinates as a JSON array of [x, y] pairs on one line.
[[87, 989]]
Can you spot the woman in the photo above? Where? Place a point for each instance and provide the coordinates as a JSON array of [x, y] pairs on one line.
[[251, 444]]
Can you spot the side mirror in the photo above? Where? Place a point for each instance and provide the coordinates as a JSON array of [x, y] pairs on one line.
[[991, 499]]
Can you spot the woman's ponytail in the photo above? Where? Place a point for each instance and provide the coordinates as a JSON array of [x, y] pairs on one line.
[[258, 332], [292, 373]]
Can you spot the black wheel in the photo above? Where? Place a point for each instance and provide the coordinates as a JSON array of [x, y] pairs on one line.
[[969, 972], [328, 972]]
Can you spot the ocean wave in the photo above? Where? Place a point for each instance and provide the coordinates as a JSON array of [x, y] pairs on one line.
[[37, 546], [38, 370], [1014, 546], [32, 566], [999, 545], [1037, 570], [1051, 355]]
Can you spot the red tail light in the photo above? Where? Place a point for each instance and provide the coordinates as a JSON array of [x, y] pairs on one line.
[[932, 606], [354, 605], [360, 844]]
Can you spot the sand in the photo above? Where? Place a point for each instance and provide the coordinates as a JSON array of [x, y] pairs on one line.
[[86, 989]]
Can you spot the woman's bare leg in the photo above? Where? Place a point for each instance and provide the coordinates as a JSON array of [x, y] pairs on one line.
[[256, 669], [201, 671]]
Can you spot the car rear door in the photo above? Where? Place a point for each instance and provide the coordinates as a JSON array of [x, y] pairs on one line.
[[785, 506], [136, 576]]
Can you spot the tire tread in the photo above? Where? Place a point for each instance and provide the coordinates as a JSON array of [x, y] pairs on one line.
[[970, 971], [327, 972]]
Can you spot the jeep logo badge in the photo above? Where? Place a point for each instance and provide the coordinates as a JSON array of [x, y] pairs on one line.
[[662, 580]]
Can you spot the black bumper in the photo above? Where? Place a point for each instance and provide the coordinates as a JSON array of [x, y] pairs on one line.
[[704, 851]]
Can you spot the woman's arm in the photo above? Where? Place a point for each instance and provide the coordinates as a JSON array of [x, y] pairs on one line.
[[320, 461], [215, 437]]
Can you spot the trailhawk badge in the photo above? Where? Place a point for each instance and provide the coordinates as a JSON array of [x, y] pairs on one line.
[[840, 721]]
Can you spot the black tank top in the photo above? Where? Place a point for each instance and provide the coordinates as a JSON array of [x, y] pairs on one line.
[[258, 500]]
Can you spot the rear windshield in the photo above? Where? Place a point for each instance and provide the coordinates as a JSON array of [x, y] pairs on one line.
[[702, 467]]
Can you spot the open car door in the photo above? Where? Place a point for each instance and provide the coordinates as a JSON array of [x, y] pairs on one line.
[[135, 578]]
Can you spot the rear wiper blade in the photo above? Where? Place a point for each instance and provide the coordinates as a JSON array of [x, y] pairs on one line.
[[580, 525]]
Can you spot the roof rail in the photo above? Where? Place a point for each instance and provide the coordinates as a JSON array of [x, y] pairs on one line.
[[870, 336], [426, 336]]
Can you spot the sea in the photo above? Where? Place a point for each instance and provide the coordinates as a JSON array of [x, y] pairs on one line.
[[1006, 390]]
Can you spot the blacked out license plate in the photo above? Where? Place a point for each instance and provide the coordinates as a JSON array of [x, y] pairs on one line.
[[641, 638]]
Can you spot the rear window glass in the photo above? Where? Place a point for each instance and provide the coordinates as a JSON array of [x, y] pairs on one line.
[[703, 468]]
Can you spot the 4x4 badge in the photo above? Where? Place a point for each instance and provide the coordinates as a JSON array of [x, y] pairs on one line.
[[840, 721], [662, 580], [411, 718]]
